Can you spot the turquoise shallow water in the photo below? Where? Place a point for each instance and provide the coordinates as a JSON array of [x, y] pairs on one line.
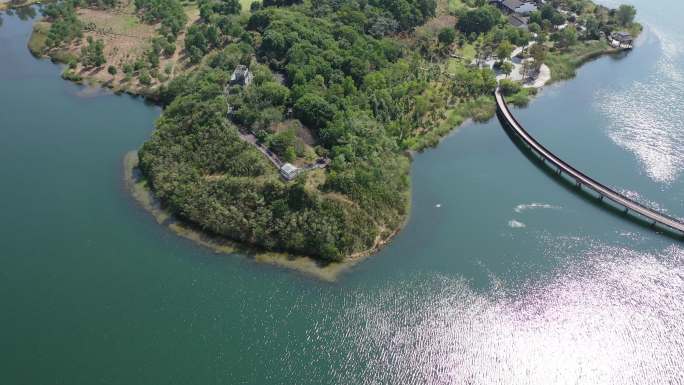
[[502, 275]]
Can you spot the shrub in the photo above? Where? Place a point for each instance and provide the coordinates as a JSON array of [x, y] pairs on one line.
[[145, 78], [509, 87]]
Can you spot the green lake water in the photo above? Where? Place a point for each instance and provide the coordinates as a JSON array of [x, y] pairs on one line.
[[503, 275]]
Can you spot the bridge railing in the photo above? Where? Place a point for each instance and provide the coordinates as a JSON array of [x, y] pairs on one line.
[[579, 176]]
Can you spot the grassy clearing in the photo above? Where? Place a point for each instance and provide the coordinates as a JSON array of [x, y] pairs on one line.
[[123, 21], [564, 64], [480, 110], [126, 39], [36, 43], [436, 24], [453, 5], [245, 5], [466, 53]]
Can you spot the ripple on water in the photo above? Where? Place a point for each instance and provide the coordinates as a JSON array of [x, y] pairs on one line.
[[534, 206], [614, 318], [516, 224]]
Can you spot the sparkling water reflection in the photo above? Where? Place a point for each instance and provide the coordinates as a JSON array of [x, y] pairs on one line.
[[613, 319], [646, 117], [502, 275]]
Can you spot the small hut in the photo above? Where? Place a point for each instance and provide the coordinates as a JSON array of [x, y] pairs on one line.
[[241, 76], [289, 171]]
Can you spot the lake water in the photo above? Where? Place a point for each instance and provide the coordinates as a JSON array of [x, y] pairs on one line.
[[503, 275]]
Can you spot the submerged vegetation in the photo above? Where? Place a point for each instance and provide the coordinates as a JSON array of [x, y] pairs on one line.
[[354, 85]]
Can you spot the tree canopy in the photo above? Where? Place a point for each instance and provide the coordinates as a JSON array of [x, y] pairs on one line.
[[479, 20], [626, 14], [329, 79]]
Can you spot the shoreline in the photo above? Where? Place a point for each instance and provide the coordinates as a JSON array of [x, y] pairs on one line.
[[324, 270], [312, 267], [7, 5], [315, 267], [92, 76]]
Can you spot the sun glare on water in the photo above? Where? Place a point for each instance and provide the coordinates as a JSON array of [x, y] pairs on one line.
[[613, 319]]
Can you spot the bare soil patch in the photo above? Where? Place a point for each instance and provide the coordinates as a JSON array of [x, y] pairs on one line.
[[436, 24], [126, 39]]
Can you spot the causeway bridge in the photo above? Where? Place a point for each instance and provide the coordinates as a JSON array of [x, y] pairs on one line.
[[629, 205]]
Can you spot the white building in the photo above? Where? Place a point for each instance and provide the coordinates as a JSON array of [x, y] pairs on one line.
[[289, 171]]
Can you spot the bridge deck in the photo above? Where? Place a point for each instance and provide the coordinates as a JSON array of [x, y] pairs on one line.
[[581, 178]]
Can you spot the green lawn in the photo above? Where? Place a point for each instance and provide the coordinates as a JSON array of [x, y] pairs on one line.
[[130, 22], [455, 4], [467, 53], [36, 43]]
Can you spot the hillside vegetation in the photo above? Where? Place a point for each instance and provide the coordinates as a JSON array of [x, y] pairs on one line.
[[355, 85], [369, 80]]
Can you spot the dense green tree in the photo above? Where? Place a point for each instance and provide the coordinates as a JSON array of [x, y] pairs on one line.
[[65, 25], [447, 36], [382, 25], [218, 7], [479, 20], [169, 12], [534, 28], [509, 87], [557, 19], [547, 11], [92, 54], [282, 143], [507, 68], [538, 52], [145, 78], [625, 14], [536, 18], [272, 93], [504, 50], [314, 111], [566, 37], [592, 26]]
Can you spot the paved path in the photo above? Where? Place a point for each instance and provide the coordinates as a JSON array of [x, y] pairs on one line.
[[251, 139], [542, 78], [581, 179]]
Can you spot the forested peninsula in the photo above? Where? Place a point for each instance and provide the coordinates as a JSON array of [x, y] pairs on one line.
[[288, 125]]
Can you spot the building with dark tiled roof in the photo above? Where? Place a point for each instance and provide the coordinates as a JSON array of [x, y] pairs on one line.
[[515, 6], [518, 21]]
